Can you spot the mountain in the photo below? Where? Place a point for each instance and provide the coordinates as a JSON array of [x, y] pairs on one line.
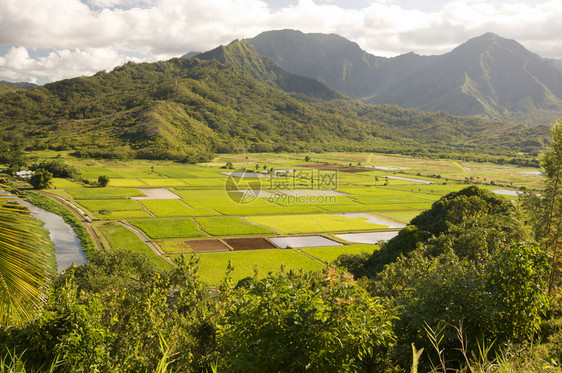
[[6, 87], [330, 59], [488, 76], [187, 109], [242, 55], [190, 54]]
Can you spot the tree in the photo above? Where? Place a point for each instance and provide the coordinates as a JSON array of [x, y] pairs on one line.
[[551, 163], [502, 300], [320, 322], [472, 222], [24, 273], [103, 181], [41, 179], [546, 209]]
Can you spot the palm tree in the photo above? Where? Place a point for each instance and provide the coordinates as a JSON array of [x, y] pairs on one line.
[[24, 273]]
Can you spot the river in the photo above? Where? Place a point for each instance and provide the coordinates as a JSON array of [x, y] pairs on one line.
[[68, 249]]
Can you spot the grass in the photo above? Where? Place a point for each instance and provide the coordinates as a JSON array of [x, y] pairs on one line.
[[174, 207], [286, 200], [351, 208], [163, 182], [205, 182], [104, 193], [212, 266], [403, 216], [93, 172], [111, 205], [124, 215], [174, 246], [223, 202], [59, 183], [168, 228], [396, 197], [121, 238], [175, 172], [229, 226], [127, 183], [331, 253], [309, 223], [279, 210]]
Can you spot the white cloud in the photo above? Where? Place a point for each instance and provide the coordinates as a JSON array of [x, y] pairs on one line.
[[94, 34], [17, 64]]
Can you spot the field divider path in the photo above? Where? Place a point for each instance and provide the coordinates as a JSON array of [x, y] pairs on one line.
[[144, 238]]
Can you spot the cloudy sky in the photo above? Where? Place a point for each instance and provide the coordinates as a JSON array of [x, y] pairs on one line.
[[48, 40]]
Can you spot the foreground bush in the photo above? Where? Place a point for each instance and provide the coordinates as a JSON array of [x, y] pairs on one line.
[[321, 322]]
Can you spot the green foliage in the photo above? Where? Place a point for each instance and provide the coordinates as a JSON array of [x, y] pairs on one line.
[[472, 222], [24, 267], [517, 280], [41, 179], [112, 313], [549, 230], [323, 322], [103, 181], [502, 301], [58, 168]]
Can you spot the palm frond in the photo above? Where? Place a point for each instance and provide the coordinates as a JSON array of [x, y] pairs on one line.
[[24, 274]]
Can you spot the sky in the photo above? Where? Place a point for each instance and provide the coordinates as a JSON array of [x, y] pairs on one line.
[[48, 40]]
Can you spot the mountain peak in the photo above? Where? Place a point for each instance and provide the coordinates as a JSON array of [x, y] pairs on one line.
[[488, 40], [241, 53]]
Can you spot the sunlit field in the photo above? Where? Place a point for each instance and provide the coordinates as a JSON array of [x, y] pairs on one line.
[[331, 193]]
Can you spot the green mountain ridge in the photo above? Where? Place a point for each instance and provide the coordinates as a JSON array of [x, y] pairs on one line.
[[488, 76], [188, 109], [242, 55], [6, 87]]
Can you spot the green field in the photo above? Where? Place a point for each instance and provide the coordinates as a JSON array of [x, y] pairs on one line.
[[174, 207], [331, 253], [59, 183], [314, 223], [121, 238], [227, 226], [206, 210], [168, 228], [104, 193], [174, 246], [111, 205], [212, 266], [127, 183]]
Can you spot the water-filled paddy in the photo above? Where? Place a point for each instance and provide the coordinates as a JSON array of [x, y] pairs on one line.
[[303, 241]]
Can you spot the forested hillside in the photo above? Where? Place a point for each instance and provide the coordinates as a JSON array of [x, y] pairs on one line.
[[187, 109], [6, 87]]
